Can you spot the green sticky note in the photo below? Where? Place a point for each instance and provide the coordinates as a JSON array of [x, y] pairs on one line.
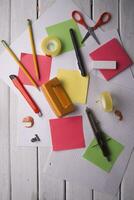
[[94, 154], [61, 30]]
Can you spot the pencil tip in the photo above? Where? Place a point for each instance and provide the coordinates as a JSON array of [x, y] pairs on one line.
[[12, 76], [29, 21], [3, 42], [38, 89], [40, 114]]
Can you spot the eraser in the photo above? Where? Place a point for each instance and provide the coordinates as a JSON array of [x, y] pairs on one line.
[[99, 64]]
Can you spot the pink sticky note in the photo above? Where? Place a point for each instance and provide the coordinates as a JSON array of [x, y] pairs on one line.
[[67, 133], [112, 50], [44, 63]]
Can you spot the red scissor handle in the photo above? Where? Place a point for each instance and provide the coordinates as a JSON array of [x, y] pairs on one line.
[[77, 16], [104, 18]]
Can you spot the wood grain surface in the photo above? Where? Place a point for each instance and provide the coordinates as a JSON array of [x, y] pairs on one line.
[[21, 169]]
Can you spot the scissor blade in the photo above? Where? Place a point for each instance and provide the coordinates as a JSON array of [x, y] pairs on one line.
[[85, 37], [94, 36]]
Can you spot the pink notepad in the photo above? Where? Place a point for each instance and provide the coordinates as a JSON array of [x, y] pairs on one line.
[[67, 133], [112, 50], [44, 63]]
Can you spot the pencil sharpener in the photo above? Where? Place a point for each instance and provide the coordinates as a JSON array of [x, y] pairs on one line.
[[57, 97]]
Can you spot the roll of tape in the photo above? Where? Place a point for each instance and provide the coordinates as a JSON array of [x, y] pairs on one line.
[[106, 101], [51, 46]]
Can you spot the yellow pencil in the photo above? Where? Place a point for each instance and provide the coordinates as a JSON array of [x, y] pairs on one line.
[[19, 63], [33, 48]]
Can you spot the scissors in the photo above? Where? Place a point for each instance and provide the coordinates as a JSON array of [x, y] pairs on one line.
[[104, 19]]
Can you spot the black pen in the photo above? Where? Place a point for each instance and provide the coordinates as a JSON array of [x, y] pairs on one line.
[[98, 134], [77, 52]]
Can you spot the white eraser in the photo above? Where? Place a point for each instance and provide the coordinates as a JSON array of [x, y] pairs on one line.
[[103, 64]]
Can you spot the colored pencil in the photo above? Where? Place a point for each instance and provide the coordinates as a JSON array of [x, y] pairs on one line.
[[19, 63], [33, 48], [18, 84]]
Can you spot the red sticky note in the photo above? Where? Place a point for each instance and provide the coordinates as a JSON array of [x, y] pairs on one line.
[[112, 50], [44, 63], [67, 133]]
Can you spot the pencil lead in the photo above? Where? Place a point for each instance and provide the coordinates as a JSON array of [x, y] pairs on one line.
[[40, 114], [29, 21], [4, 43]]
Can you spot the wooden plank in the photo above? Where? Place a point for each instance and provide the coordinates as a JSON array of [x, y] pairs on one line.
[[84, 5], [4, 143], [127, 36], [126, 27], [23, 160], [100, 196], [106, 6], [4, 111], [44, 5], [73, 190], [127, 189], [49, 188], [99, 7]]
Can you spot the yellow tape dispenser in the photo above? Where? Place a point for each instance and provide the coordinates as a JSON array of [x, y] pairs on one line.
[[57, 97], [51, 46], [107, 102]]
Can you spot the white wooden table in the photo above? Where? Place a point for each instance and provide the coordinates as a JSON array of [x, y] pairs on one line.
[[21, 169]]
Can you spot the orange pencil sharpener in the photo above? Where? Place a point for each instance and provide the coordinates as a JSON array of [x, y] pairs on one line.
[[57, 97]]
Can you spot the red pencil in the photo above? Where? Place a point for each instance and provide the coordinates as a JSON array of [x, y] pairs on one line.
[[18, 84]]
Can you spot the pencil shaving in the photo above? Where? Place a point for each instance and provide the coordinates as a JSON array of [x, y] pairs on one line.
[[118, 114], [28, 121]]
